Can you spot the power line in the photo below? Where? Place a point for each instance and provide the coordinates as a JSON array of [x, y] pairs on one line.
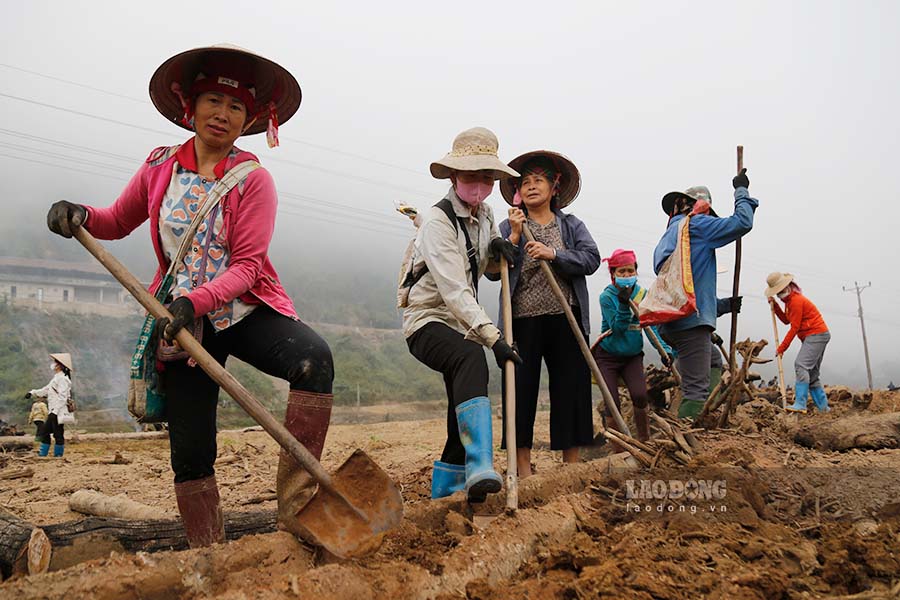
[[75, 83], [272, 158], [144, 101]]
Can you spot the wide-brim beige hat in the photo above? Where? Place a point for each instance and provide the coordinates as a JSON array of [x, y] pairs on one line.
[[270, 81], [569, 181], [777, 282], [63, 358], [473, 150]]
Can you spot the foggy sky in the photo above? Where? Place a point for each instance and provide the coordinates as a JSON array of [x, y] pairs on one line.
[[645, 97]]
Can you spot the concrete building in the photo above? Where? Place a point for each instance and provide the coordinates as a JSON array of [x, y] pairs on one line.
[[53, 284]]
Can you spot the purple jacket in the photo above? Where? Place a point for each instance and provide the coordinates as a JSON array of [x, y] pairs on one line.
[[579, 259]]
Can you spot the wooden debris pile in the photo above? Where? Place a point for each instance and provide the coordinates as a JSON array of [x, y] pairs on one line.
[[732, 390], [670, 438]]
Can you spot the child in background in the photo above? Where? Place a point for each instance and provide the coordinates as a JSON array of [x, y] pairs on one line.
[[621, 354], [807, 324], [37, 416]]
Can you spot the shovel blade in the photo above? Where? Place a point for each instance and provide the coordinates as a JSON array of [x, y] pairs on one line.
[[331, 522]]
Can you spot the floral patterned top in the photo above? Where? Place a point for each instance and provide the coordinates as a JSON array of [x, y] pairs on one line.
[[533, 296], [184, 197]]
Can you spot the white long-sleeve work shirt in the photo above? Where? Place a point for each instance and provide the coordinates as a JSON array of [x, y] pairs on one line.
[[445, 293], [57, 393]]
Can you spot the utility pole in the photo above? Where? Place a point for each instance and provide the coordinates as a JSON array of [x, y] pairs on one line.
[[858, 289]]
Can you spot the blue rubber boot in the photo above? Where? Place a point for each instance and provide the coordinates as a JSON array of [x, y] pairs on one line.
[[474, 420], [447, 479], [820, 398], [801, 391], [44, 450], [58, 450]]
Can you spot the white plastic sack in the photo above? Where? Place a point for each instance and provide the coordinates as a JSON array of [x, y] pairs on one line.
[[671, 296]]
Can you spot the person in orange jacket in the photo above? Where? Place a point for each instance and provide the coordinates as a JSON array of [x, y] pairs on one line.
[[806, 323]]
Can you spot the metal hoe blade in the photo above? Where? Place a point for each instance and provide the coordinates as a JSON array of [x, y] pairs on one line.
[[355, 524]]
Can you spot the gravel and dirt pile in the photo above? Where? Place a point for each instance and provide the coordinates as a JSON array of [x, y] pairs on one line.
[[754, 515]]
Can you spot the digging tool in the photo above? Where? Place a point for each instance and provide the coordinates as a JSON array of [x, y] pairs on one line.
[[654, 339], [509, 377], [720, 344], [350, 511], [582, 343], [778, 356], [736, 286]]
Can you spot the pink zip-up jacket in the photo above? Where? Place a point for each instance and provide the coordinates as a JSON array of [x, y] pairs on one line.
[[248, 224]]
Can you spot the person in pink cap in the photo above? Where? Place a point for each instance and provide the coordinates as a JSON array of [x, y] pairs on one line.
[[219, 280], [621, 353]]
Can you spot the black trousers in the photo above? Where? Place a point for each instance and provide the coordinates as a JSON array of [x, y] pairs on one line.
[[465, 371], [273, 343], [52, 425], [549, 338]]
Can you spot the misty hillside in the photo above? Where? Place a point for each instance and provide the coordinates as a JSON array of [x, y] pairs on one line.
[[377, 361]]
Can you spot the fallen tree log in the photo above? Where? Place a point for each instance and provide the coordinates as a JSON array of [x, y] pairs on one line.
[[202, 572], [866, 432], [16, 443], [96, 537], [89, 502], [20, 473], [24, 548]]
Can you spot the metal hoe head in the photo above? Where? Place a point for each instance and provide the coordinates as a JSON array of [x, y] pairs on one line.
[[353, 525]]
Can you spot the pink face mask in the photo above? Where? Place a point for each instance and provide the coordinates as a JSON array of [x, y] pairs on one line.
[[473, 194]]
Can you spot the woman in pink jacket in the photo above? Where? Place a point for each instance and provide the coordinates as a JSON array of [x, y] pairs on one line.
[[225, 287]]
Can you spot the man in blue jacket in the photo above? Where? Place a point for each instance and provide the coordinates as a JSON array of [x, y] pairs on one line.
[[690, 336]]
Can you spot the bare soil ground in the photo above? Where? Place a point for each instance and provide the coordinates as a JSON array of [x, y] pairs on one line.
[[788, 521]]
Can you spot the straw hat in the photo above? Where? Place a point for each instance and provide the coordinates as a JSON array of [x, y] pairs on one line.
[[777, 282], [697, 192], [270, 81], [569, 182], [473, 150], [63, 358]]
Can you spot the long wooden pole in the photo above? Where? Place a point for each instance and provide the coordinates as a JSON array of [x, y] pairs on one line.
[[216, 371], [654, 339], [736, 287], [781, 385], [579, 337], [509, 377]]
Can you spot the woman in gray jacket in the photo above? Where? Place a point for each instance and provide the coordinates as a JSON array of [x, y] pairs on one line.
[[548, 183]]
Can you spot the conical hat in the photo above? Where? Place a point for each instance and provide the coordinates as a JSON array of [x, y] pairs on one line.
[[63, 358], [569, 183], [271, 81]]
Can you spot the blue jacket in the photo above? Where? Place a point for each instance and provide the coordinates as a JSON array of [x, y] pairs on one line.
[[579, 259], [707, 234], [626, 339]]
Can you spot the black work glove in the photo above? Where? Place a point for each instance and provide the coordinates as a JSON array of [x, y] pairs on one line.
[[28, 395], [736, 302], [64, 218], [716, 339], [504, 352], [183, 314], [625, 293], [500, 247], [741, 180]]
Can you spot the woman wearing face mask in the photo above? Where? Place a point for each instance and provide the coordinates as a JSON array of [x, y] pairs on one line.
[[224, 287], [57, 393], [445, 327], [807, 324], [621, 354], [549, 182]]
